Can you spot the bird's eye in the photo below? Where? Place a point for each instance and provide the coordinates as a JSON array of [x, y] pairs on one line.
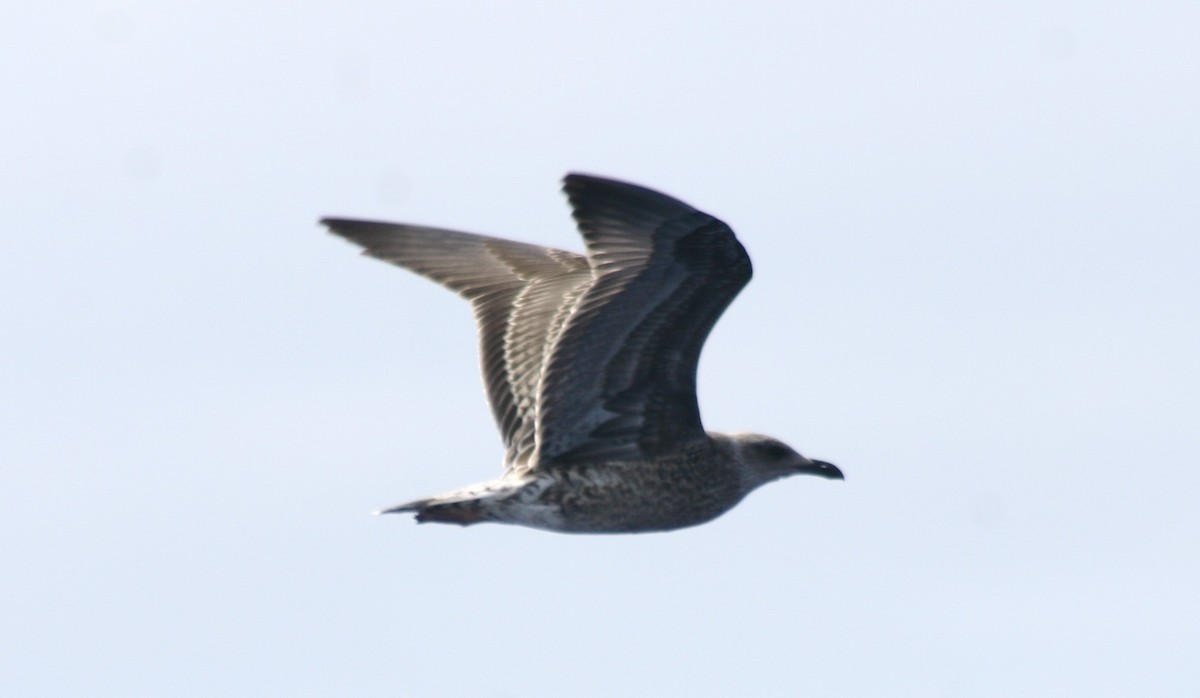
[[776, 451]]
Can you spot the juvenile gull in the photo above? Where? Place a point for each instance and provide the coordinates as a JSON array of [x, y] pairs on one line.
[[590, 364]]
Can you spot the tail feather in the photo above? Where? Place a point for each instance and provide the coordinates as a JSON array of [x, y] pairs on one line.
[[464, 506], [461, 512], [415, 505]]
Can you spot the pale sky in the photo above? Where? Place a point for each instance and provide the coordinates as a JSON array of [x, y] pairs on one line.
[[976, 237]]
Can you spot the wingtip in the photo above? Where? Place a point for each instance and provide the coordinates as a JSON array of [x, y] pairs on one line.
[[590, 195], [357, 231], [572, 181], [332, 222], [335, 222], [578, 181], [332, 225]]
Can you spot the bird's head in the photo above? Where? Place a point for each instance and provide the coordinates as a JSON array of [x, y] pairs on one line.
[[762, 459]]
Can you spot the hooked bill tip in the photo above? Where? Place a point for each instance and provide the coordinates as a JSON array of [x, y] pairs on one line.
[[829, 470]]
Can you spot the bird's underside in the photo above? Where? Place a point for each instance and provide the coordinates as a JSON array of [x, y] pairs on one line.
[[691, 488], [590, 364]]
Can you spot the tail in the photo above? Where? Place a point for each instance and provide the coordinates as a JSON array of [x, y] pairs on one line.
[[465, 506], [433, 510]]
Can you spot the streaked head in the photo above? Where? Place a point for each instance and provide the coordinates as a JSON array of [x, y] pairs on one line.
[[763, 459]]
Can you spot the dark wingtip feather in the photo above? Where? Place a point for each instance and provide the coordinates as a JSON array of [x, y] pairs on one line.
[[584, 187], [335, 225], [601, 201], [365, 234]]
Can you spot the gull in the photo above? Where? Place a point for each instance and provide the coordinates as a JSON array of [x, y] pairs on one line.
[[589, 362]]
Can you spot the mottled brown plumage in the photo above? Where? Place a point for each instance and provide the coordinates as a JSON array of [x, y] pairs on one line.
[[590, 364]]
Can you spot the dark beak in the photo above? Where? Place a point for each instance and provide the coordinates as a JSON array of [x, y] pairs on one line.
[[820, 467]]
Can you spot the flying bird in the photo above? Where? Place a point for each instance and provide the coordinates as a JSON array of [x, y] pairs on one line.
[[590, 364]]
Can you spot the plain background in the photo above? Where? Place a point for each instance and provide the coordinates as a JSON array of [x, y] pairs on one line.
[[976, 236]]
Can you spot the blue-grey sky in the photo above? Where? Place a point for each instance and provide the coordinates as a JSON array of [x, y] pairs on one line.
[[976, 235]]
